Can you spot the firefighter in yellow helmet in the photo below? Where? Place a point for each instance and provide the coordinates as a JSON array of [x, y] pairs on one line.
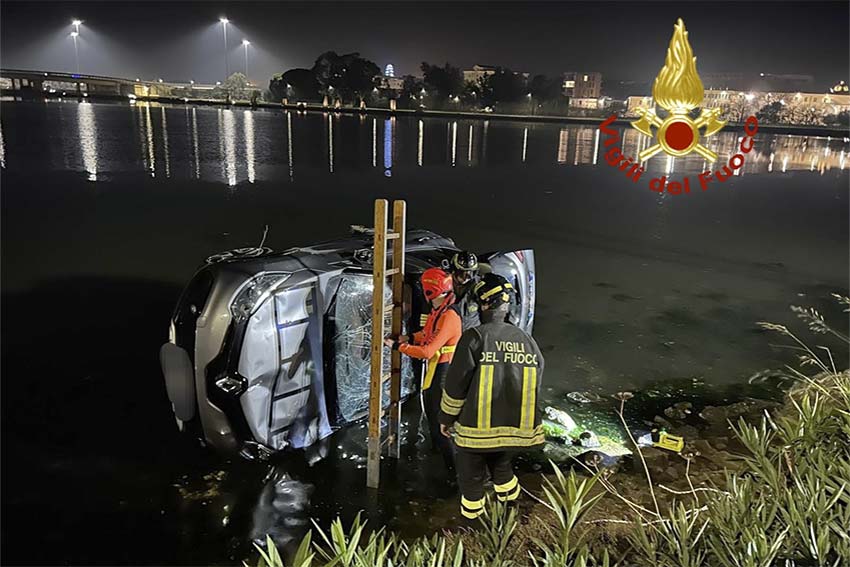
[[464, 269], [490, 397]]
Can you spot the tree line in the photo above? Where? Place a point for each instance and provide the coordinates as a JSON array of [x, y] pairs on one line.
[[350, 78]]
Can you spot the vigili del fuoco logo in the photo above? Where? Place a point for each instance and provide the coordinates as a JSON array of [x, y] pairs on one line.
[[678, 91]]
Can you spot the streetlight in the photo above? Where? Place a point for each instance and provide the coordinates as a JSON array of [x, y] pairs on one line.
[[245, 44], [76, 23], [74, 35], [224, 22]]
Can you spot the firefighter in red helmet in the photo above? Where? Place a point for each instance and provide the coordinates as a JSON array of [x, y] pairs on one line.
[[435, 343]]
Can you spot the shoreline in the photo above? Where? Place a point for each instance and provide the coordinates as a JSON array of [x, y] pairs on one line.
[[790, 129]]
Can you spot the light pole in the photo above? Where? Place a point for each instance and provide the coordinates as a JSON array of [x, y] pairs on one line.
[[224, 22], [245, 44], [74, 35]]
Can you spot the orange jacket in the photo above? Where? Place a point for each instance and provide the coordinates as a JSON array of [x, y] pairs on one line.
[[436, 343]]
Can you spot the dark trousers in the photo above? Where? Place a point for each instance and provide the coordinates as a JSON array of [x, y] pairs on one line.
[[431, 401], [474, 469]]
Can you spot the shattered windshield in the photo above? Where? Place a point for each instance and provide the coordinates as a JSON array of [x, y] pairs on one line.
[[352, 344]]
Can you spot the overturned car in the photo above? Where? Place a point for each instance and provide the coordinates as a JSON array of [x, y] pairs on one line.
[[269, 351]]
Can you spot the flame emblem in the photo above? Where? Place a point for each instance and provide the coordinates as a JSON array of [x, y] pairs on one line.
[[678, 90]]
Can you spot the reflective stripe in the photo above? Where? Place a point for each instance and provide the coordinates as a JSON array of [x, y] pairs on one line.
[[498, 442], [448, 349], [497, 437], [485, 394], [423, 319], [507, 486], [529, 393], [470, 515], [431, 368], [503, 431], [493, 291], [509, 496], [472, 504], [450, 405]]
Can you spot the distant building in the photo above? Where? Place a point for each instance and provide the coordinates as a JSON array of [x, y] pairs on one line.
[[590, 103], [762, 82], [738, 104], [582, 84], [389, 71], [391, 83], [633, 103], [480, 71]]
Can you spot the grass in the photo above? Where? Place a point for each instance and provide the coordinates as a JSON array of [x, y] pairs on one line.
[[786, 502]]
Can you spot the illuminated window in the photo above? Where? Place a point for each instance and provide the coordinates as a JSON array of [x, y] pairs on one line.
[[585, 78], [569, 84]]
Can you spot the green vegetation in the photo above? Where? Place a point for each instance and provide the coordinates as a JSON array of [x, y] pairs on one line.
[[798, 113], [786, 500]]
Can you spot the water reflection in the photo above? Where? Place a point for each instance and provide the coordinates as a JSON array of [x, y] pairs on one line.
[[148, 129], [3, 148], [454, 143], [374, 142], [484, 142], [248, 125], [584, 145], [563, 140], [596, 147], [254, 144], [88, 138], [330, 122], [289, 144], [389, 132], [228, 126], [282, 510], [165, 143], [197, 154], [419, 152]]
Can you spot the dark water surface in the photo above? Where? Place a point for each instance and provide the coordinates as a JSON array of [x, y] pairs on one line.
[[108, 209]]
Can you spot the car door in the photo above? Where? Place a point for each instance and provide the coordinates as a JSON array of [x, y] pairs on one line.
[[518, 268]]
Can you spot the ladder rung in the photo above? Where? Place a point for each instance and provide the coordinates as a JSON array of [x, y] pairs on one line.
[[392, 272], [392, 235]]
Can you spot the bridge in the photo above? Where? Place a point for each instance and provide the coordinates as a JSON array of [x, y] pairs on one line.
[[28, 83]]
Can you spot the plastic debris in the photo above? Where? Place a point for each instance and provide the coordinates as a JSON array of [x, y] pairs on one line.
[[661, 440], [583, 397], [561, 417], [589, 440]]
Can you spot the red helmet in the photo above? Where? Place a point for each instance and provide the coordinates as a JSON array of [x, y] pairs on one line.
[[435, 282]]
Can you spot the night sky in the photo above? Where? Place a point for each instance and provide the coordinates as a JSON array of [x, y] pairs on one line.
[[624, 41]]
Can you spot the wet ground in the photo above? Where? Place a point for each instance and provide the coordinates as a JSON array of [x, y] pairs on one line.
[[108, 209]]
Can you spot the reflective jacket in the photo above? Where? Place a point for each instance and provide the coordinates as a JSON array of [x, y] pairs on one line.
[[436, 342], [491, 390]]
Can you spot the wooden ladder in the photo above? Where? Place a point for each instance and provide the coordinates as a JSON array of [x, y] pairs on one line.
[[380, 273]]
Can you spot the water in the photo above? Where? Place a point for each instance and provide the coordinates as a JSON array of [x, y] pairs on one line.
[[108, 209]]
